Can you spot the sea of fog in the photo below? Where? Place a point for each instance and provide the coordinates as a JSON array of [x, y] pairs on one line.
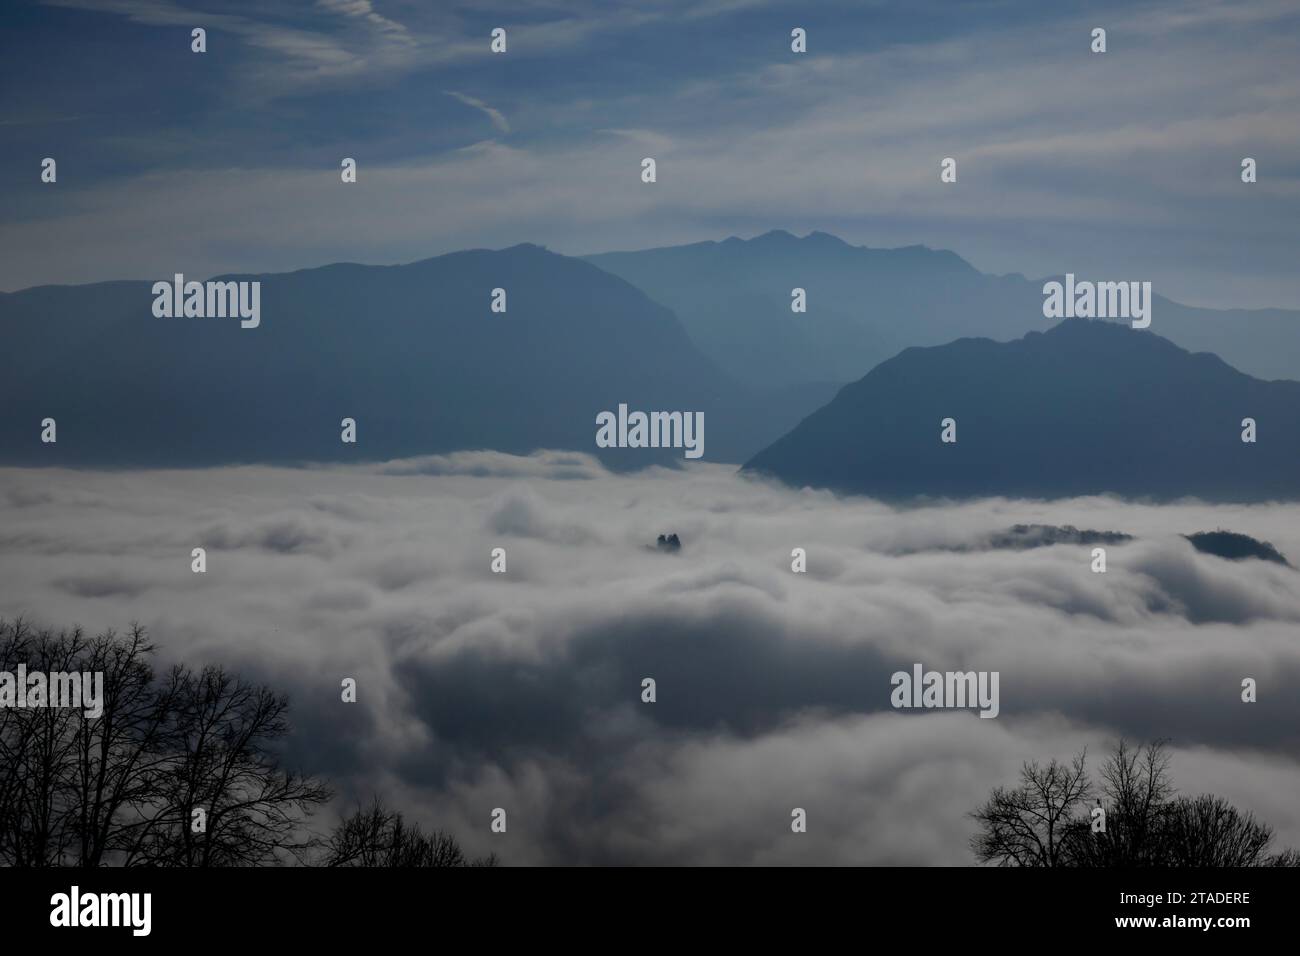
[[523, 690]]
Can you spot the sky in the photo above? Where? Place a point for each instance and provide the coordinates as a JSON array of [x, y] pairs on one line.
[[1122, 165], [522, 690]]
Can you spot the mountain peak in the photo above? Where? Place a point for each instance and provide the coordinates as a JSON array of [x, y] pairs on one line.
[[1086, 407], [824, 239], [815, 238], [775, 235], [524, 248]]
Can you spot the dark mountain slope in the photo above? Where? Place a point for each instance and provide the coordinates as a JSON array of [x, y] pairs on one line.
[[1086, 407], [412, 352], [1235, 547]]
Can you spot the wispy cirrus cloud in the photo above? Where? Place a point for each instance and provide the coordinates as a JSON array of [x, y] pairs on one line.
[[310, 50], [497, 118]]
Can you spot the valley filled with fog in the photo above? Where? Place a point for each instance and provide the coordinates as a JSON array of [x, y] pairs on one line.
[[522, 689]]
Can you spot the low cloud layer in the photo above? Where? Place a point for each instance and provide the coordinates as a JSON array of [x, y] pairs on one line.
[[522, 690]]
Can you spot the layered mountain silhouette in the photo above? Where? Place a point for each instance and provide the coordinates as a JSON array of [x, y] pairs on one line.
[[866, 305], [1087, 407], [412, 353]]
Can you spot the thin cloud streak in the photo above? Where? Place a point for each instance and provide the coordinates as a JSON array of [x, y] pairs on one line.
[[498, 120]]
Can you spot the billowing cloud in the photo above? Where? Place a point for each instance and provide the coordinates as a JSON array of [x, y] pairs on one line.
[[523, 690]]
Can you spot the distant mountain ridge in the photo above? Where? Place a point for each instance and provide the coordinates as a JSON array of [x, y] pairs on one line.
[[1087, 407], [413, 353], [865, 305]]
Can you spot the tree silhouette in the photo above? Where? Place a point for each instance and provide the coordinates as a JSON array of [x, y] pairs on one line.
[[1044, 820], [1135, 790], [222, 768], [377, 836], [71, 786], [177, 770], [1029, 824], [1209, 831]]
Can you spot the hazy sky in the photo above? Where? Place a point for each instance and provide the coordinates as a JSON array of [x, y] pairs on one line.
[[522, 690], [1123, 165]]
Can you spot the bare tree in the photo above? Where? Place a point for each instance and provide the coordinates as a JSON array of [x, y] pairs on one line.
[[1287, 857], [1209, 831], [1030, 825], [1145, 825], [66, 779], [223, 800], [177, 770], [122, 787], [1135, 792], [376, 836]]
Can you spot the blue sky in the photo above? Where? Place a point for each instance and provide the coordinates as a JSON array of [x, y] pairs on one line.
[[1123, 165]]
